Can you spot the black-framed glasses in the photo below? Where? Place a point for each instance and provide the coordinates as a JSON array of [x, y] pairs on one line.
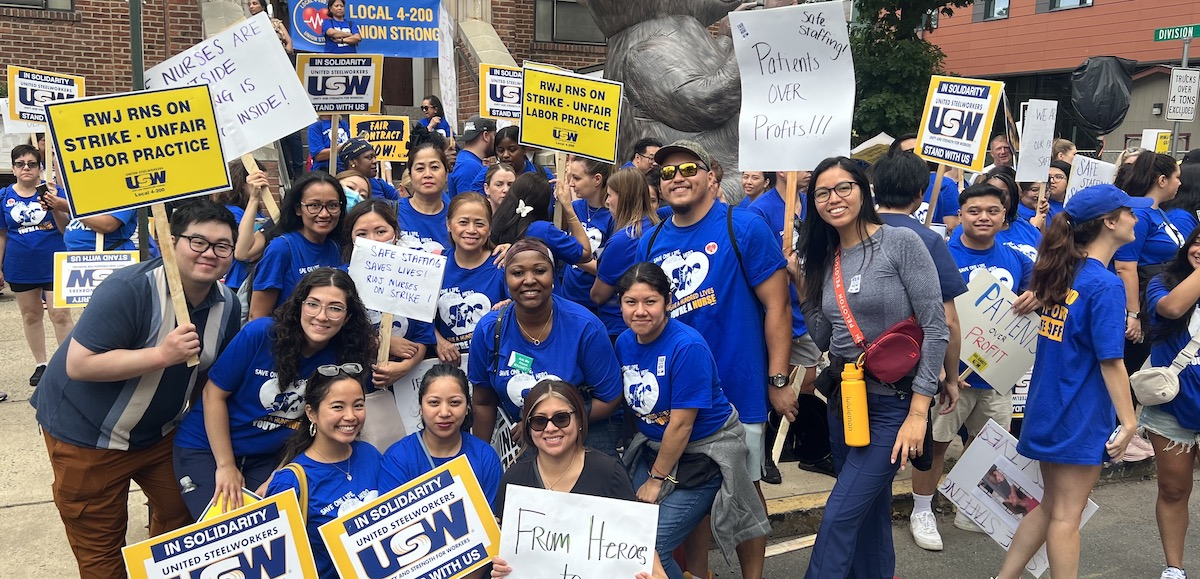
[[1058, 177], [199, 244], [646, 157], [333, 207], [332, 311], [689, 169], [26, 165], [560, 419], [842, 189], [351, 368]]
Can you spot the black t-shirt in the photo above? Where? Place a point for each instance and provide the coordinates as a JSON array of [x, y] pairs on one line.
[[602, 476]]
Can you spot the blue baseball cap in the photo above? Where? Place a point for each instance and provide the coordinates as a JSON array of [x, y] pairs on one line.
[[1100, 200]]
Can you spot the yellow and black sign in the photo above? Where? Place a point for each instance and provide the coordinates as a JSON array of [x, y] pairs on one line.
[[567, 112], [387, 133], [136, 149]]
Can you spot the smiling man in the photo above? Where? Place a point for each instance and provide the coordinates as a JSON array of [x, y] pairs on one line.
[[112, 396]]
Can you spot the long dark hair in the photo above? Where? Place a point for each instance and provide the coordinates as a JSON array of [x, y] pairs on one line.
[[444, 370], [564, 391], [1061, 253], [436, 103], [820, 239], [1141, 177], [356, 342], [1177, 270], [289, 210], [1188, 196], [534, 189], [317, 389], [421, 138], [380, 207]]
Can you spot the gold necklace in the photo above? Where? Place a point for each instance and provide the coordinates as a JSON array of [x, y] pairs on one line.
[[536, 342], [334, 464], [551, 486]]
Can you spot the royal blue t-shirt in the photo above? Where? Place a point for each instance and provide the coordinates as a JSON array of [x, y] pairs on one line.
[[466, 295], [288, 258], [676, 370], [318, 140], [1055, 209], [443, 128], [239, 269], [1069, 414], [1186, 405], [331, 494], [1156, 240], [716, 297], [576, 284], [530, 167], [1026, 213], [466, 168], [261, 417], [577, 351], [947, 203], [80, 237], [620, 254], [1183, 220], [948, 278], [381, 189], [407, 459], [414, 331], [421, 231], [1021, 235], [33, 238], [563, 245], [771, 207], [332, 47], [1009, 266]]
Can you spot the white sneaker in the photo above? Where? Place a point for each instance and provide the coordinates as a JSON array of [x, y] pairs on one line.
[[1173, 573], [962, 521], [923, 525]]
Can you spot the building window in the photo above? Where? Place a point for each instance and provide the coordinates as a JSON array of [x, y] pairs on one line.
[[39, 4], [995, 9], [564, 21], [1060, 4]]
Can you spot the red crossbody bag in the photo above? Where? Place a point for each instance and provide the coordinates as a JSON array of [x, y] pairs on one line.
[[895, 352]]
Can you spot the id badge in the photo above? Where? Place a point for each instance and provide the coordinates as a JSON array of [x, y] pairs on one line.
[[520, 362]]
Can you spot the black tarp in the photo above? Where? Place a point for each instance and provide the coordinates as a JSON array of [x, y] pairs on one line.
[[1100, 90]]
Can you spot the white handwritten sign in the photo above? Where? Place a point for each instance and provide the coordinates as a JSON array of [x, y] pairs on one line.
[[256, 95], [997, 344], [1037, 140], [1085, 172], [552, 534], [995, 486], [797, 86], [396, 279]]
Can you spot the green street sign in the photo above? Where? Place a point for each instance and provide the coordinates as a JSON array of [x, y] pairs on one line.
[[1177, 33]]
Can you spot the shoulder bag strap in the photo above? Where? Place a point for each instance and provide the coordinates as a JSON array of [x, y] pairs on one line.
[[496, 340], [653, 236], [302, 489], [839, 290]]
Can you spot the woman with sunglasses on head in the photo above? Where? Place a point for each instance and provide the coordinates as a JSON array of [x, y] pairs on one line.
[[551, 423], [471, 285], [423, 214], [340, 473], [629, 201], [1079, 381], [232, 437], [435, 117], [307, 236], [542, 336], [888, 276], [525, 212]]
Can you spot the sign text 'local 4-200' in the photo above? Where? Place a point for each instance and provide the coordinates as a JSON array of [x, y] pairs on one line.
[[136, 149], [401, 28], [342, 84]]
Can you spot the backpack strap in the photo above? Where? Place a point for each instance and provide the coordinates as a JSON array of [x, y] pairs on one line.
[[733, 238], [301, 489], [496, 339], [654, 235]]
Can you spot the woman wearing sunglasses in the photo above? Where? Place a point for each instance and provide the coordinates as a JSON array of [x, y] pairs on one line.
[[551, 423], [323, 460], [254, 397], [434, 119]]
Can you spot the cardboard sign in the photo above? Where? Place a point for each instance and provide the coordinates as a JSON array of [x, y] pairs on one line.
[[570, 113], [346, 83], [137, 149], [500, 92], [396, 279], [30, 90], [447, 64], [77, 273], [1085, 172], [997, 343], [959, 113], [503, 442], [996, 487], [264, 539], [1156, 140], [257, 99], [797, 86], [388, 134], [1037, 140], [404, 28], [438, 525], [553, 534]]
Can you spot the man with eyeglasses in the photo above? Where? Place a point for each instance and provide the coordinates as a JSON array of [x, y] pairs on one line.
[[477, 138], [1056, 187], [730, 284], [112, 396], [643, 154]]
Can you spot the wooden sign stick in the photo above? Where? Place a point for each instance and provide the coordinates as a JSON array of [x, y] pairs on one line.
[[174, 283], [937, 189], [265, 193], [789, 212], [560, 167], [966, 373], [385, 336], [334, 131]]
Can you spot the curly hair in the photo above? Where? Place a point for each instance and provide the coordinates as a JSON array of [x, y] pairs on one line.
[[356, 342]]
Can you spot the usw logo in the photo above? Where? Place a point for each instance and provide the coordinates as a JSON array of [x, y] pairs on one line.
[[339, 85], [565, 136], [144, 180], [954, 123]]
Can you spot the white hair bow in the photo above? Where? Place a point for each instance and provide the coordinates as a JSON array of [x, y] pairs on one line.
[[523, 209]]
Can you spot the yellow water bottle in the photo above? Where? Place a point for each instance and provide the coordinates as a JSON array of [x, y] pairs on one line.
[[854, 407]]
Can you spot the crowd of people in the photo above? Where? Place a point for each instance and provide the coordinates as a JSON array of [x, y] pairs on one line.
[[643, 348]]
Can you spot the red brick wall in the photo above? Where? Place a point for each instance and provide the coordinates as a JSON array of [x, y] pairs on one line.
[[93, 40]]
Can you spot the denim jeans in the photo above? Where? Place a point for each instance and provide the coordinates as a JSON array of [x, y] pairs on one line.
[[678, 514]]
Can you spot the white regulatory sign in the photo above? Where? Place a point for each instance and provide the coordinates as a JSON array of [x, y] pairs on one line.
[[1181, 102]]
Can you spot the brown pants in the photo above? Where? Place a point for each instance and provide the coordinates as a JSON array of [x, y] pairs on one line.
[[91, 490]]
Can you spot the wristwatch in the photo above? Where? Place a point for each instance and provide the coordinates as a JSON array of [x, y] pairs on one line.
[[778, 380], [1134, 315]]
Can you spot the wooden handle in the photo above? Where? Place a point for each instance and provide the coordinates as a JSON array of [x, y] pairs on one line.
[[789, 213], [966, 373], [99, 241], [560, 167], [263, 192], [937, 189], [334, 132], [174, 283], [385, 336]]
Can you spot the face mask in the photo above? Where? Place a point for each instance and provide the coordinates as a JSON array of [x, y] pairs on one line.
[[352, 197]]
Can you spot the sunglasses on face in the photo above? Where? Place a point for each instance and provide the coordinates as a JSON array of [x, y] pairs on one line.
[[689, 169], [560, 419], [351, 368], [426, 108]]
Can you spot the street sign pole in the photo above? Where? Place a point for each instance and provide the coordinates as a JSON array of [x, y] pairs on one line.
[[1186, 34], [1187, 43]]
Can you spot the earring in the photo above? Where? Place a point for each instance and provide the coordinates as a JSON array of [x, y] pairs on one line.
[[312, 429]]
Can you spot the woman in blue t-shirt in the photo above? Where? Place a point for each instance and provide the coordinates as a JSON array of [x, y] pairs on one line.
[[688, 434], [587, 179], [1079, 380], [324, 463], [306, 237], [496, 183], [1156, 240], [341, 34], [253, 399], [237, 199], [435, 117], [445, 414], [525, 212], [423, 215], [510, 150], [1184, 210], [629, 201], [472, 286]]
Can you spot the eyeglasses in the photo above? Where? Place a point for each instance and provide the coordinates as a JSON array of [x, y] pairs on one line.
[[1058, 177], [332, 311], [560, 419], [646, 157], [332, 207], [842, 189], [201, 245], [667, 172], [26, 165], [425, 108], [351, 368]]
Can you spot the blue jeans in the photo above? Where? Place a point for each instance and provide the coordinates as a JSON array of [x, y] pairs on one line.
[[293, 155], [855, 538], [603, 435], [201, 467], [678, 514]]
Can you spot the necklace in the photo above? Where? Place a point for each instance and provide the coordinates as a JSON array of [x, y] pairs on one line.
[[551, 486], [334, 464], [536, 342]]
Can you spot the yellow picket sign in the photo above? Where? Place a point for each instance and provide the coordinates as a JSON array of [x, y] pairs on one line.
[[957, 121], [30, 89], [570, 113], [387, 133]]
